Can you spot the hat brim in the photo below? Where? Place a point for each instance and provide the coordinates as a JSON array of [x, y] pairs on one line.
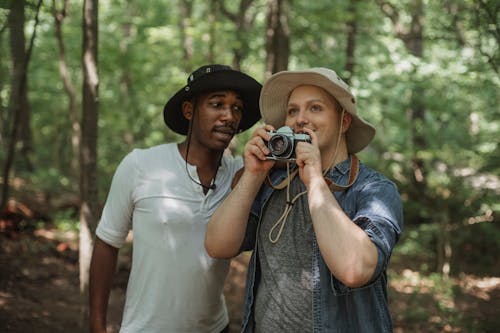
[[246, 86], [277, 89]]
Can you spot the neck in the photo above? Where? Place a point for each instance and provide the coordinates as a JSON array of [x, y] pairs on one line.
[[199, 156], [334, 156], [205, 160]]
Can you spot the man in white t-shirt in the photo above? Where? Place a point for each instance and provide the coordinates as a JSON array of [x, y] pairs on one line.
[[167, 194]]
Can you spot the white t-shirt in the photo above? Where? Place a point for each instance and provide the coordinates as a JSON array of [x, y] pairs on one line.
[[174, 286]]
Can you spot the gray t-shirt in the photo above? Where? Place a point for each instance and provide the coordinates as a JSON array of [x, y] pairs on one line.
[[284, 297]]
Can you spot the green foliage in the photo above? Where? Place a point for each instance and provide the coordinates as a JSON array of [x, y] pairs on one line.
[[66, 221], [473, 245], [142, 63], [473, 248]]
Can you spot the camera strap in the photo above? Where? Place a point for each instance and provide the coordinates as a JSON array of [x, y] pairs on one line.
[[277, 228], [280, 223], [334, 187], [353, 175]]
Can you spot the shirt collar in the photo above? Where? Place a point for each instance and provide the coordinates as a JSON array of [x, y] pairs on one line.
[[342, 167]]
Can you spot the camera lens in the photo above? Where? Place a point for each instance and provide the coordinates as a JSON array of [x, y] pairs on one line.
[[279, 145]]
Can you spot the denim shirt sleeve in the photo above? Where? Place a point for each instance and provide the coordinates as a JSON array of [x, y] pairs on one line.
[[253, 220], [379, 213], [250, 234]]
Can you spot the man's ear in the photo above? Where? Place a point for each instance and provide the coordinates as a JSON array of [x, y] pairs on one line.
[[346, 121], [187, 110]]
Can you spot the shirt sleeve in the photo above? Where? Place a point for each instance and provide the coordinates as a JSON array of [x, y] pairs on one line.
[[116, 219], [237, 164], [380, 215]]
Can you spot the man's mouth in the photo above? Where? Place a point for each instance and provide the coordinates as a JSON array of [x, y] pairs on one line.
[[225, 130]]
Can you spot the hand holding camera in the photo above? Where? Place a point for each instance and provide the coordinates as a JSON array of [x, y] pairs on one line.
[[282, 144]]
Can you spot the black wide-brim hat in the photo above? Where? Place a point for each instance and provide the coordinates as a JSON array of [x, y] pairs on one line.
[[210, 78]]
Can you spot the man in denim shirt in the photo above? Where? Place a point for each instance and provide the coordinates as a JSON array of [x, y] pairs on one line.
[[321, 225]]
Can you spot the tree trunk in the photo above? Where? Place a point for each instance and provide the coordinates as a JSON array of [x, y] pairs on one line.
[[185, 11], [277, 36], [413, 39], [414, 42], [88, 150], [127, 93], [243, 23], [16, 42], [69, 88], [352, 30], [444, 248], [454, 9], [212, 20], [18, 102], [4, 118], [25, 137]]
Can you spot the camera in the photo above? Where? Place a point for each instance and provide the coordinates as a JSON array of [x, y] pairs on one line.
[[283, 142]]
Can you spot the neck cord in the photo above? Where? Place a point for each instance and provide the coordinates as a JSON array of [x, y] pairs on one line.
[[212, 186]]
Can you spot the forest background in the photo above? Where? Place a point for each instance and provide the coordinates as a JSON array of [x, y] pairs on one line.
[[77, 94]]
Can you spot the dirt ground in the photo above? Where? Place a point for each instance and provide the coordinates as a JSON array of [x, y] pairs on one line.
[[39, 292], [39, 289]]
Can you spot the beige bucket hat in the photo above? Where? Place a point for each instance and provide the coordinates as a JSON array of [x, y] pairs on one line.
[[277, 89]]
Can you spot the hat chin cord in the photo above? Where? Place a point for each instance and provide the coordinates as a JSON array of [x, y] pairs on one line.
[[274, 235], [212, 186], [337, 145]]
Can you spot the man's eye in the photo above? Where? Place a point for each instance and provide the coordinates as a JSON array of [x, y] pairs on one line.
[[237, 108], [215, 104], [316, 108]]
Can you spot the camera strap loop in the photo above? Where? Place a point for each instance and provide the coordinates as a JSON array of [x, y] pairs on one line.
[[289, 205]]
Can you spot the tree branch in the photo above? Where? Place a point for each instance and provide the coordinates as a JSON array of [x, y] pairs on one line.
[[226, 12]]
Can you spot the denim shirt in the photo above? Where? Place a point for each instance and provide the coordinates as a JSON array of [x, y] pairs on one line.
[[374, 204]]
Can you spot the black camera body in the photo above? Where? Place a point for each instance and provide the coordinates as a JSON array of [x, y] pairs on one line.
[[283, 142]]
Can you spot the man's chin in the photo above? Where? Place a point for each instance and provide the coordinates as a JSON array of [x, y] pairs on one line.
[[223, 137]]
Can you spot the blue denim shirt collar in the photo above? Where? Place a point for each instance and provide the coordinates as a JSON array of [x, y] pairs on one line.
[[342, 167]]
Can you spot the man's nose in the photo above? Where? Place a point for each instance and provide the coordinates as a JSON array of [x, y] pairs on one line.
[[301, 119], [228, 113]]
